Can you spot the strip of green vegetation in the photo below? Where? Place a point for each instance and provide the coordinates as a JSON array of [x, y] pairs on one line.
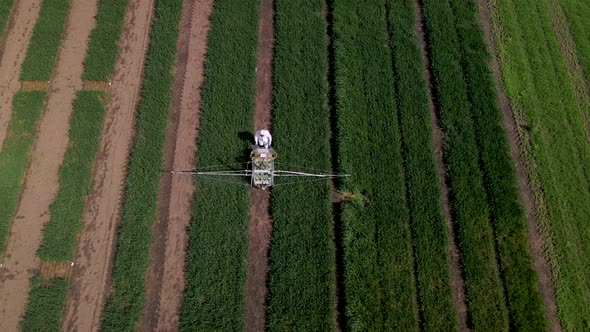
[[14, 156], [483, 287], [218, 241], [525, 305], [302, 255], [379, 286], [6, 7], [536, 81], [45, 41], [103, 47], [60, 234], [438, 312], [45, 306], [577, 13], [126, 302]]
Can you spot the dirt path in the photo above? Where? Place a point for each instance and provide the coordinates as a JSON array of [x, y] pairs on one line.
[[91, 277], [14, 50], [165, 281], [41, 182], [456, 278], [259, 229], [525, 192]]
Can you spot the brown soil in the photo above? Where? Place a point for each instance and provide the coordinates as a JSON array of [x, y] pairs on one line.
[[34, 86], [91, 277], [456, 277], [41, 183], [96, 86], [165, 280], [259, 230], [14, 50], [525, 191], [52, 270]]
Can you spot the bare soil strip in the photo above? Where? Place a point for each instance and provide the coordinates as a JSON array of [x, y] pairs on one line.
[[572, 61], [165, 281], [34, 86], [456, 277], [41, 182], [259, 229], [525, 191], [90, 281], [15, 46]]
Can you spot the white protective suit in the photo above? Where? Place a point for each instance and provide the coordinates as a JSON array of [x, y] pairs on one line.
[[263, 138]]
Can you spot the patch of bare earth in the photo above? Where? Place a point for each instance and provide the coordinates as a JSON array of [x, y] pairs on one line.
[[259, 229], [538, 242], [103, 86], [91, 277], [14, 50], [41, 182], [34, 86], [165, 279], [456, 277]]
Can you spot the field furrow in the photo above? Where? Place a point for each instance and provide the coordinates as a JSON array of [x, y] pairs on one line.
[[217, 251], [302, 254]]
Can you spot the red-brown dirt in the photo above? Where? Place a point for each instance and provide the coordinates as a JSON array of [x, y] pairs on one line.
[[260, 227], [525, 191], [41, 182], [13, 54], [165, 280], [91, 277], [456, 277]]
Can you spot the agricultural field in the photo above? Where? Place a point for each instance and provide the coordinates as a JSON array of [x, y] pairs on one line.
[[435, 154]]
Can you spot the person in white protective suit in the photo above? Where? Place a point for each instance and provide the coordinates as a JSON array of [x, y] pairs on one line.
[[263, 138]]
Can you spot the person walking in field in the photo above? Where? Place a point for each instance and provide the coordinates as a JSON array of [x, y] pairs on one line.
[[262, 138]]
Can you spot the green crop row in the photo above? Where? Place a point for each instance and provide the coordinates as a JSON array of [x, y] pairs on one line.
[[60, 235], [521, 282], [379, 286], [302, 254], [577, 13], [438, 312], [470, 209], [218, 239], [6, 8], [103, 47], [536, 80], [45, 306], [140, 198], [45, 40], [14, 155]]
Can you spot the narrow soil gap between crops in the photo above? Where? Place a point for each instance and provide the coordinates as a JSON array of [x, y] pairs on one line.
[[42, 178], [525, 192], [14, 49], [90, 283], [337, 198], [260, 227], [165, 279], [457, 281]]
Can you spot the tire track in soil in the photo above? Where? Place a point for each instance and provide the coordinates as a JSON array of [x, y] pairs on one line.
[[14, 50], [260, 227], [457, 282], [525, 192], [165, 279], [41, 182], [91, 278]]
